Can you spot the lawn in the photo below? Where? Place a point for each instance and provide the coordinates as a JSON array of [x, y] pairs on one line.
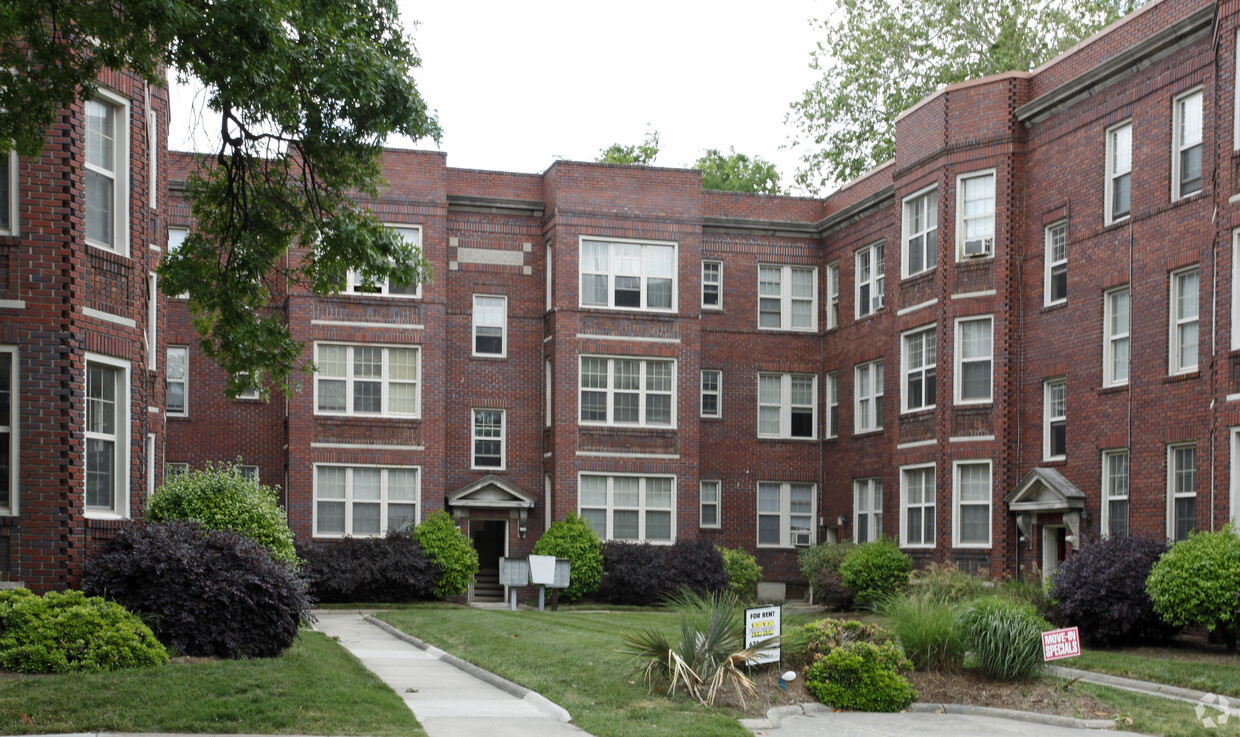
[[316, 687], [1160, 716], [1219, 676]]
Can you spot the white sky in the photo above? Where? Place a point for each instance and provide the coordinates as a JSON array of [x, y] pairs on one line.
[[517, 85]]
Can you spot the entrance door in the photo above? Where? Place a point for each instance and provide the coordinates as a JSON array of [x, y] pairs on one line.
[[490, 538], [1054, 548]]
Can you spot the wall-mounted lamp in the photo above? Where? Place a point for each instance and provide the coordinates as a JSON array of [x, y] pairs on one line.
[[523, 519], [841, 520]]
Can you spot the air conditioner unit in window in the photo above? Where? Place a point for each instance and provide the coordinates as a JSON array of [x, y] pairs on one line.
[[801, 539], [977, 247]]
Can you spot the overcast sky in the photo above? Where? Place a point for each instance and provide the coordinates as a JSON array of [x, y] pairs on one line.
[[517, 85]]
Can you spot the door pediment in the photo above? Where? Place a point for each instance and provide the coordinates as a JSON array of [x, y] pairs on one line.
[[491, 492]]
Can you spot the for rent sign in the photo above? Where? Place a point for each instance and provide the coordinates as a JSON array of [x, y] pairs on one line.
[[1065, 643], [763, 623]]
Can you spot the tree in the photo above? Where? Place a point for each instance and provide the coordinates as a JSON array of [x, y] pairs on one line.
[[879, 57], [737, 172], [306, 91], [643, 153]]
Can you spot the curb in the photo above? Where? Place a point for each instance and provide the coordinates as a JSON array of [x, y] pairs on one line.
[[533, 698], [777, 714], [1177, 693]]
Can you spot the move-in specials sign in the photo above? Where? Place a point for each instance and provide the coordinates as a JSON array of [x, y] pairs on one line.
[[763, 623], [1065, 643]]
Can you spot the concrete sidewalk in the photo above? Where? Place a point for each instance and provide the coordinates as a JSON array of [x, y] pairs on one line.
[[819, 721]]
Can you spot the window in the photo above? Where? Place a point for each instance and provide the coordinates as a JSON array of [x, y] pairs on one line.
[[833, 404], [152, 320], [627, 391], [921, 222], [972, 504], [253, 389], [172, 470], [247, 472], [490, 325], [1115, 492], [1186, 158], [974, 358], [489, 439], [917, 506], [637, 508], [918, 368], [550, 282], [366, 380], [8, 193], [1056, 287], [833, 296], [364, 501], [628, 275], [1115, 349], [711, 393], [787, 298], [359, 283], [867, 510], [712, 285], [1055, 420], [710, 504], [107, 158], [1184, 321], [107, 441], [975, 215], [786, 514], [152, 153], [1119, 172], [869, 409], [546, 392], [8, 430], [786, 405], [176, 395], [870, 271], [176, 237], [1181, 491]]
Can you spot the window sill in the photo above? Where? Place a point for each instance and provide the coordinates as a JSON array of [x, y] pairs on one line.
[[917, 546], [977, 404], [975, 262], [1186, 376], [1056, 306], [363, 419], [918, 413], [914, 279], [121, 259], [972, 546], [487, 357], [632, 311], [771, 439], [1199, 194], [868, 315], [1113, 389], [627, 429], [487, 469], [99, 516], [1056, 461], [1116, 223], [711, 418], [178, 418], [863, 433], [789, 331]]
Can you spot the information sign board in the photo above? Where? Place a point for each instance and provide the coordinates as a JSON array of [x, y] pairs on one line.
[[1065, 643], [761, 624]]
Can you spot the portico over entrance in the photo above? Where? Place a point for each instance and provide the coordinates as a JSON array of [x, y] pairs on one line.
[[1047, 499]]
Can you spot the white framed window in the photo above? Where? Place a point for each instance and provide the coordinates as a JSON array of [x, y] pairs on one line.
[[971, 504], [547, 392], [489, 439], [917, 369], [1184, 314], [1055, 288], [152, 321], [365, 501], [107, 172], [920, 236], [1234, 515], [628, 275], [253, 390], [247, 471], [9, 447], [710, 504], [627, 391], [1235, 283], [917, 506], [1186, 153], [1181, 490], [712, 285], [367, 380], [833, 296], [787, 406], [1119, 172], [868, 412], [357, 283], [975, 215], [9, 220], [712, 393], [1115, 493], [176, 237], [550, 282], [624, 507], [152, 153], [871, 269], [150, 464], [107, 436], [172, 470], [786, 514], [1054, 419], [490, 325], [867, 510], [787, 298], [176, 381], [832, 382], [1117, 325], [974, 359]]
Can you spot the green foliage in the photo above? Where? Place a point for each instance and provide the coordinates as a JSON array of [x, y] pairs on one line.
[[68, 632], [1005, 637], [1197, 581], [744, 573], [805, 644], [643, 153], [737, 172], [821, 565], [947, 584], [218, 497], [453, 554], [1030, 588], [861, 676], [573, 538], [876, 569], [925, 624]]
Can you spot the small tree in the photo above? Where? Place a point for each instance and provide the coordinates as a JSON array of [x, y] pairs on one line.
[[453, 554], [1197, 581], [574, 538]]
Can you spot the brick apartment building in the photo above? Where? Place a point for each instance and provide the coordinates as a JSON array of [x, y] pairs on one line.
[[1014, 334]]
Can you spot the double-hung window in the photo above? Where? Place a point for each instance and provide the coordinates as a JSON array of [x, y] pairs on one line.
[[1119, 172], [833, 296], [787, 406], [921, 222], [1183, 335], [868, 409], [8, 193], [867, 510], [107, 167], [832, 386], [918, 369], [364, 501], [636, 508], [712, 285], [490, 325], [489, 439], [1054, 420], [917, 506], [1056, 285], [786, 513], [975, 215], [1115, 350], [710, 503], [176, 394], [628, 275], [107, 437], [1115, 491], [627, 391], [972, 504], [8, 430], [870, 278], [366, 380], [787, 298], [1186, 158], [359, 283], [974, 359], [1181, 490], [712, 392]]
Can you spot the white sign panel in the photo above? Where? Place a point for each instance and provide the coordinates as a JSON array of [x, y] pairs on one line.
[[542, 569], [761, 624], [1065, 643]]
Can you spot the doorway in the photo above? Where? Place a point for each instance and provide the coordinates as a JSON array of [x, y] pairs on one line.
[[1054, 548], [490, 538]]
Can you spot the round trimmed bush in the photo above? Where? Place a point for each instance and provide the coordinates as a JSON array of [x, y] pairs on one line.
[[1005, 636], [453, 555], [744, 573], [876, 569], [1197, 581], [369, 569], [573, 538], [861, 676], [219, 498], [1101, 589]]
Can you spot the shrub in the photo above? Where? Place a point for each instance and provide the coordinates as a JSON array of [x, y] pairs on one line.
[[1197, 581], [945, 583], [573, 538], [1005, 636], [925, 624], [875, 569], [220, 498], [744, 573], [452, 554], [203, 592], [371, 569], [821, 566], [67, 632], [642, 574], [1101, 589], [808, 643], [1028, 587], [695, 565], [861, 676]]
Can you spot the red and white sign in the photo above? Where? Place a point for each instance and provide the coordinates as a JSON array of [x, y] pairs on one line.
[[1065, 643]]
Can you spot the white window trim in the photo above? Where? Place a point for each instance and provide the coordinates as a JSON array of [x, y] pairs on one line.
[[385, 380], [1110, 177], [1177, 146], [785, 514], [503, 328], [475, 438], [718, 284], [959, 360], [1104, 527], [717, 504], [1172, 495], [250, 394], [548, 302], [1235, 280], [1110, 339], [120, 502], [832, 387], [353, 280], [9, 354], [960, 217], [1235, 117], [150, 464], [641, 391], [152, 152], [641, 509], [14, 227], [251, 468], [348, 499], [547, 396], [957, 504], [1048, 418], [906, 232], [174, 468], [152, 321], [877, 281], [1051, 263], [1234, 514], [786, 299], [173, 244], [872, 514], [120, 181], [833, 295], [871, 419], [904, 505], [786, 406], [906, 371], [184, 381], [717, 394], [1178, 323], [611, 275]]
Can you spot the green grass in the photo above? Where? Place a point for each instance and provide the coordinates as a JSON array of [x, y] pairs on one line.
[[1212, 677], [1158, 715], [316, 687], [571, 658]]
